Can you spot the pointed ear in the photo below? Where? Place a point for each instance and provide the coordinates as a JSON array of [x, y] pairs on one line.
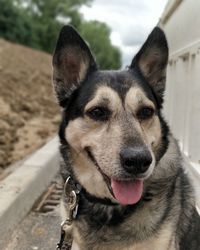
[[72, 61], [152, 60]]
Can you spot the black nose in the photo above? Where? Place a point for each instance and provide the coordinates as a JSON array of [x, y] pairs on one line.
[[135, 160]]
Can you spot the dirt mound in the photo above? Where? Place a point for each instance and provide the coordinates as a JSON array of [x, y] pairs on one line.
[[29, 114]]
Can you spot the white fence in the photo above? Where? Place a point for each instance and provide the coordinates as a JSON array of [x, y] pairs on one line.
[[181, 23], [182, 106]]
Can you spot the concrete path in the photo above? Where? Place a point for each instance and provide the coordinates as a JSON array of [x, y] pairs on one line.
[[22, 188], [37, 232]]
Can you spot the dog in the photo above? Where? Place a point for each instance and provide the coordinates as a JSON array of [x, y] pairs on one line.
[[114, 142]]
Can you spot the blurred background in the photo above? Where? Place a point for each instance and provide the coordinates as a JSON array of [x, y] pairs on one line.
[[114, 30], [30, 116]]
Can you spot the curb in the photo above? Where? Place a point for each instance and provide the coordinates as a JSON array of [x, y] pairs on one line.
[[20, 190]]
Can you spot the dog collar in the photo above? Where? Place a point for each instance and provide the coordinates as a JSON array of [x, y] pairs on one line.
[[83, 194], [93, 199], [71, 195], [72, 192]]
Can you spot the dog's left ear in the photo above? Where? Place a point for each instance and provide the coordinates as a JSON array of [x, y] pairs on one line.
[[72, 61], [152, 60]]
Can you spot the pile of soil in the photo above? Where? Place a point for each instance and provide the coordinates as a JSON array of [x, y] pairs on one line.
[[29, 114]]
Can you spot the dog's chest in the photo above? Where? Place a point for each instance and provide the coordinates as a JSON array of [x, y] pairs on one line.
[[162, 244], [163, 240]]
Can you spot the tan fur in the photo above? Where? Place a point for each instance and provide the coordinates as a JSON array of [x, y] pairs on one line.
[[106, 139], [89, 176], [96, 142], [135, 98], [84, 132], [105, 94], [163, 240]]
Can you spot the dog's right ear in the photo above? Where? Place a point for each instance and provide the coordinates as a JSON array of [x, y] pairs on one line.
[[72, 61]]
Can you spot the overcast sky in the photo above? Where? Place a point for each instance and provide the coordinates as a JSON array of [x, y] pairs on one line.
[[130, 21]]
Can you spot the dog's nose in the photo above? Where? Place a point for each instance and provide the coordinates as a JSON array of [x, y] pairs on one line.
[[135, 160]]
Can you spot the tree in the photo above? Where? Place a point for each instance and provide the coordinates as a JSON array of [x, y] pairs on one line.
[[15, 25], [48, 17], [98, 36], [36, 23]]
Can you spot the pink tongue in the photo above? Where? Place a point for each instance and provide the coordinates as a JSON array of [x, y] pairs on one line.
[[127, 192]]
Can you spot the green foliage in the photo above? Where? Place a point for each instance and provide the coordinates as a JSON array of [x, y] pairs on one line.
[[98, 36], [36, 23], [15, 25]]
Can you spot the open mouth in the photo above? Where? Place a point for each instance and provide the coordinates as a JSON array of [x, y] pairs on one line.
[[126, 191]]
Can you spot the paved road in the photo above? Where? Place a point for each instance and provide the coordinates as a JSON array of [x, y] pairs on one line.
[[37, 232]]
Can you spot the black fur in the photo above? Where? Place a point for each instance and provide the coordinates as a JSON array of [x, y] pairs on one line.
[[151, 62], [101, 221]]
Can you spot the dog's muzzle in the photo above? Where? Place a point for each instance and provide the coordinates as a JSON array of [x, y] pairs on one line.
[[135, 160]]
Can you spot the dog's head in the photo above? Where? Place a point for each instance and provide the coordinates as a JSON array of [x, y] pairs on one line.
[[112, 122]]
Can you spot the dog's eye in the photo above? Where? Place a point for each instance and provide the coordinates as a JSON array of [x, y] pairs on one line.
[[145, 113], [99, 113]]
